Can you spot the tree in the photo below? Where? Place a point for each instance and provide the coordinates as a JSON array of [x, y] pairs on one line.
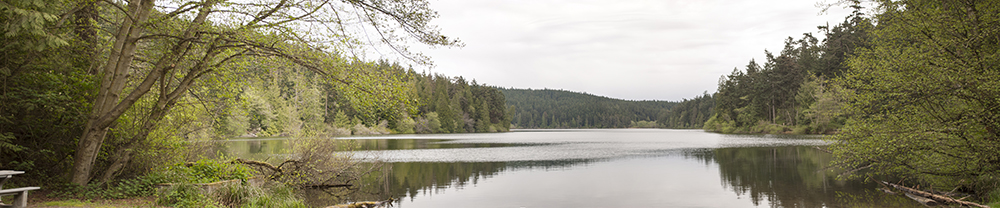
[[163, 52], [44, 85], [925, 99], [688, 113], [841, 42]]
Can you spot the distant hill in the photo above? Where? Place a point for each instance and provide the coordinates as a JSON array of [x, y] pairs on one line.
[[549, 108]]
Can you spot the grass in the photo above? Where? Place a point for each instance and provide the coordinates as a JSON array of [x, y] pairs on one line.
[[110, 203]]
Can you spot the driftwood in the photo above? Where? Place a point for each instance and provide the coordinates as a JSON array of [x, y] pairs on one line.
[[281, 170], [935, 198], [364, 204], [258, 164], [922, 200], [323, 186]]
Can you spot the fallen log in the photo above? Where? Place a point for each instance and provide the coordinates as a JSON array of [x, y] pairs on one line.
[[931, 196], [323, 186], [258, 164], [364, 204], [886, 190], [922, 200]]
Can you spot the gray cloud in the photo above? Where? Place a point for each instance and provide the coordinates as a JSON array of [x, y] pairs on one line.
[[630, 49]]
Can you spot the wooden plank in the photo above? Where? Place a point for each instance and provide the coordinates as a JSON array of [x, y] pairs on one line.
[[4, 192], [10, 172], [21, 195]]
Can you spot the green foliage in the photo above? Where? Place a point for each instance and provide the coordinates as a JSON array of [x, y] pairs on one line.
[[789, 94], [387, 95], [232, 77], [924, 100], [841, 42], [688, 114], [139, 187], [206, 171], [65, 203], [274, 195], [993, 197], [820, 107], [341, 120], [405, 125], [7, 145], [429, 123], [644, 124], [202, 171], [564, 109], [232, 195], [185, 195], [767, 93], [46, 89], [142, 186], [453, 105], [26, 21]]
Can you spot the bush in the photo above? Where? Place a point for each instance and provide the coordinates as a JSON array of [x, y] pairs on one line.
[[405, 125], [278, 195], [801, 130], [184, 195], [137, 187], [274, 195], [206, 171], [235, 195]]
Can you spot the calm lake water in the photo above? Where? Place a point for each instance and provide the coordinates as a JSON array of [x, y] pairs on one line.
[[595, 168]]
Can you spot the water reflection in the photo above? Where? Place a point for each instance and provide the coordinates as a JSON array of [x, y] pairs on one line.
[[791, 176], [593, 168], [784, 176], [409, 180]]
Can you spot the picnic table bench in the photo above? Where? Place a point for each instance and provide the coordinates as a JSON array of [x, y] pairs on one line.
[[20, 194]]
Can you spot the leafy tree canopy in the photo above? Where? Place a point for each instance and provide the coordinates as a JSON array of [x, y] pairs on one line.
[[925, 98]]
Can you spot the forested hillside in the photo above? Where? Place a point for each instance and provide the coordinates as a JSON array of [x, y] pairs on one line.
[[564, 109], [791, 92]]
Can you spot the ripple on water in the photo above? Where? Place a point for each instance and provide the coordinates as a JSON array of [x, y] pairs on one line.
[[576, 144]]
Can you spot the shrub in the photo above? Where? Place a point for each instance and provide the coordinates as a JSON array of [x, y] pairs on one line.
[[278, 195], [141, 186], [206, 171], [184, 195]]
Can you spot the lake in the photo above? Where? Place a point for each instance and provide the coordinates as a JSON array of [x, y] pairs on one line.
[[594, 168]]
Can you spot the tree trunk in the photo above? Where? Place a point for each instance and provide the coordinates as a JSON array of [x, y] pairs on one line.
[[108, 106], [122, 156], [113, 82]]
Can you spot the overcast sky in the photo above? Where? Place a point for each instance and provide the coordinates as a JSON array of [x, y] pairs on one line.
[[627, 49]]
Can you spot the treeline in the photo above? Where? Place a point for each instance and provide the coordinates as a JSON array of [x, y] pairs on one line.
[[688, 114], [790, 92], [454, 105], [297, 102], [548, 108]]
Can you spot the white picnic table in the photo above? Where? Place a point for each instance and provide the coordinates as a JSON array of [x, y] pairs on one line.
[[20, 194]]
